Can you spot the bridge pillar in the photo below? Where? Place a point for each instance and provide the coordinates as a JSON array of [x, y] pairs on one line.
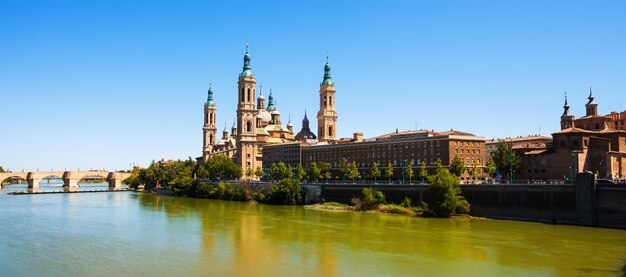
[[115, 180], [70, 179], [33, 180]]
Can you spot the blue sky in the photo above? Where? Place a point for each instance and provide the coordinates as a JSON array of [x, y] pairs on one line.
[[104, 84]]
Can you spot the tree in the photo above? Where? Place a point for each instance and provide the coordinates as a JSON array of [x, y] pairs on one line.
[[279, 171], [249, 172], [438, 165], [352, 172], [314, 171], [490, 167], [374, 172], [389, 171], [505, 159], [201, 172], [289, 172], [328, 176], [423, 172], [259, 172], [221, 166], [300, 173], [1, 169], [344, 166], [473, 172], [409, 172], [457, 166], [445, 197]]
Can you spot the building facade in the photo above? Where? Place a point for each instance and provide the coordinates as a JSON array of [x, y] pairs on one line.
[[257, 125], [589, 143]]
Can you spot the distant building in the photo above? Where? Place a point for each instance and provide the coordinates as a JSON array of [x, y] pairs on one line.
[[589, 143], [401, 149], [518, 142]]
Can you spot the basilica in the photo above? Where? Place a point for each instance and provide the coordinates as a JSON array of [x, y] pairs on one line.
[[258, 125]]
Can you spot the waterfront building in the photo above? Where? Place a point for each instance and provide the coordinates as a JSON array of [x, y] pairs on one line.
[[258, 125], [518, 142], [589, 143], [401, 149]]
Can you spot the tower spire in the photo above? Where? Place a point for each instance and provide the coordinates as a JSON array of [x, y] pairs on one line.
[[247, 69], [566, 107], [327, 80], [209, 100]]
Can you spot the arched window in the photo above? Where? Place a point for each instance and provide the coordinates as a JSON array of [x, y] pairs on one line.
[[242, 94], [249, 127], [330, 131], [211, 139]]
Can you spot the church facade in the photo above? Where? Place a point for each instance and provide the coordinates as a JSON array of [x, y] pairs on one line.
[[258, 125]]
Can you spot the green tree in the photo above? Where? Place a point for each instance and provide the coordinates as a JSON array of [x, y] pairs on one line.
[[249, 172], [473, 172], [374, 172], [279, 171], [409, 172], [444, 194], [221, 166], [352, 171], [344, 166], [505, 159], [314, 171], [1, 169], [423, 172], [300, 173], [438, 165], [289, 172], [182, 185], [328, 176], [284, 192], [490, 167], [202, 172], [457, 166], [259, 172], [389, 171]]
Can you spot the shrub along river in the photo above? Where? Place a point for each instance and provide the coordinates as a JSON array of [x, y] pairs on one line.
[[140, 234]]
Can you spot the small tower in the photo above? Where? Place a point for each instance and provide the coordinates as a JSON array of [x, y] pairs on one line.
[[567, 119], [327, 115], [246, 118], [592, 106], [210, 128], [290, 125], [305, 133], [261, 98]]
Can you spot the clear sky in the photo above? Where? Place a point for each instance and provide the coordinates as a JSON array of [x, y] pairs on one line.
[[105, 84]]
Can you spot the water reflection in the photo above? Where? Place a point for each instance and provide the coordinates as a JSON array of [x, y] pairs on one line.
[[253, 239]]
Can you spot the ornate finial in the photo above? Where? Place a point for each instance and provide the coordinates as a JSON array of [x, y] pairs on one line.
[[289, 119], [261, 90], [566, 98], [326, 57], [246, 47], [304, 112], [209, 84]]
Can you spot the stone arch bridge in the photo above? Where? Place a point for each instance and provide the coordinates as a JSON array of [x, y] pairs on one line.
[[70, 178]]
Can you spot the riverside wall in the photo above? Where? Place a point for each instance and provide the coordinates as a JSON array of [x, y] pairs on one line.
[[584, 203]]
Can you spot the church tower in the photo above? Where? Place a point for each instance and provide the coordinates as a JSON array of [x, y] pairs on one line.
[[210, 128], [246, 118], [567, 119], [327, 116], [591, 106]]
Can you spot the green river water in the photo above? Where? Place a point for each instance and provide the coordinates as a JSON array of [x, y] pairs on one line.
[[140, 234]]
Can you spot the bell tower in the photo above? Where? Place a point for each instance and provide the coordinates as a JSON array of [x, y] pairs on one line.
[[327, 116], [210, 128], [246, 118], [567, 119]]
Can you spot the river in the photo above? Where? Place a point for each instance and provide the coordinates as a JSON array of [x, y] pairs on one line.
[[140, 234]]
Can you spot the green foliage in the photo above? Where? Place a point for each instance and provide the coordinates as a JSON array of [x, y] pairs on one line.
[[1, 169], [444, 194], [344, 167], [300, 173], [221, 166], [314, 171], [284, 192], [370, 199], [182, 185], [202, 172], [249, 172], [438, 165], [280, 171], [352, 171], [374, 172], [490, 167], [423, 172], [457, 166], [406, 202], [259, 172], [504, 158], [473, 171], [409, 172], [389, 171]]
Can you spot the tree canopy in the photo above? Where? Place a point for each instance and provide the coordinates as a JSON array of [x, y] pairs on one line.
[[505, 159]]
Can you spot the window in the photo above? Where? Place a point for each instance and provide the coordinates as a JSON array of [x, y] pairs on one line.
[[597, 126], [562, 143], [575, 143]]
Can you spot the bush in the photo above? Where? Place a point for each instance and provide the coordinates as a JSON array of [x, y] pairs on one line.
[[284, 192], [182, 186], [444, 193], [369, 199]]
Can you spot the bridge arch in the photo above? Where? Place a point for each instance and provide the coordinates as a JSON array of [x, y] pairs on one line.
[[9, 179]]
